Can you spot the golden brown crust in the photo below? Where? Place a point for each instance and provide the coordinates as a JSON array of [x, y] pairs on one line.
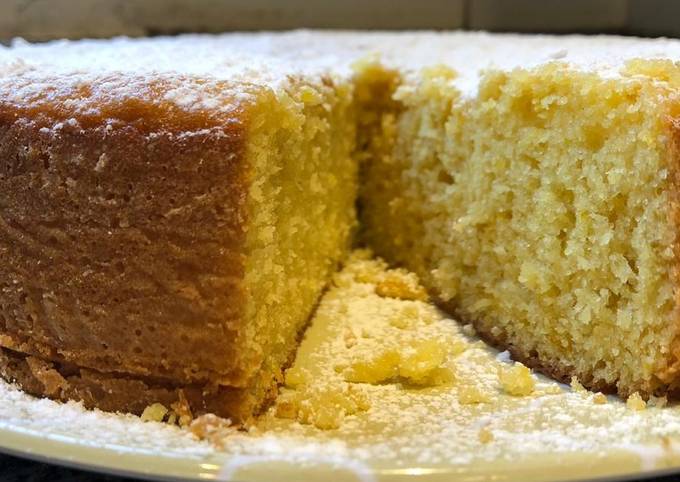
[[122, 225], [669, 374], [122, 393]]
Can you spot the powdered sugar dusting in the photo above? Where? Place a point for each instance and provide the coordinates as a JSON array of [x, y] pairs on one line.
[[405, 427], [71, 423]]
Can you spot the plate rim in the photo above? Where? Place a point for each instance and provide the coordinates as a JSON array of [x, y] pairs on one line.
[[108, 461]]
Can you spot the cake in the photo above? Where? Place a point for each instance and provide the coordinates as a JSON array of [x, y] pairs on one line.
[[166, 236], [542, 205], [175, 207]]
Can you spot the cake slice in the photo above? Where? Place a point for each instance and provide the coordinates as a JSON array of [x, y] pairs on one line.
[[533, 184], [165, 231]]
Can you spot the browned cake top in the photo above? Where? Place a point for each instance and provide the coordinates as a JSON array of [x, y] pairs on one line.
[[150, 103]]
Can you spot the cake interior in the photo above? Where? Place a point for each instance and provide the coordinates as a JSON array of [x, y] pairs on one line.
[[302, 217], [539, 211]]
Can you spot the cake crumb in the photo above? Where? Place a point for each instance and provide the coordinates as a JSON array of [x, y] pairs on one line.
[[485, 435], [401, 285], [421, 363], [325, 408], [349, 337], [552, 389], [155, 412], [212, 428], [310, 96], [456, 347], [379, 368], [577, 386], [635, 402], [599, 398], [287, 406], [183, 410], [52, 381], [405, 318], [517, 380], [400, 321], [295, 377], [470, 394]]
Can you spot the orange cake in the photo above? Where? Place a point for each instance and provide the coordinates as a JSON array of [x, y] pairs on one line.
[[165, 236], [173, 208]]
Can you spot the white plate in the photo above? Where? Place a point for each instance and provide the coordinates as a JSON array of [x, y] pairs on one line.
[[130, 461]]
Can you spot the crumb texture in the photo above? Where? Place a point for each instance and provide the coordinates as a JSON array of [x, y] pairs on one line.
[[520, 211]]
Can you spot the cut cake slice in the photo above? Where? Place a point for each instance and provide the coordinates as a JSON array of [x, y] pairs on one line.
[[537, 198], [165, 236]]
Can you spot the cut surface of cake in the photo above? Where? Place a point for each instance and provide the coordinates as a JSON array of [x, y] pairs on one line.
[[173, 208], [542, 205]]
